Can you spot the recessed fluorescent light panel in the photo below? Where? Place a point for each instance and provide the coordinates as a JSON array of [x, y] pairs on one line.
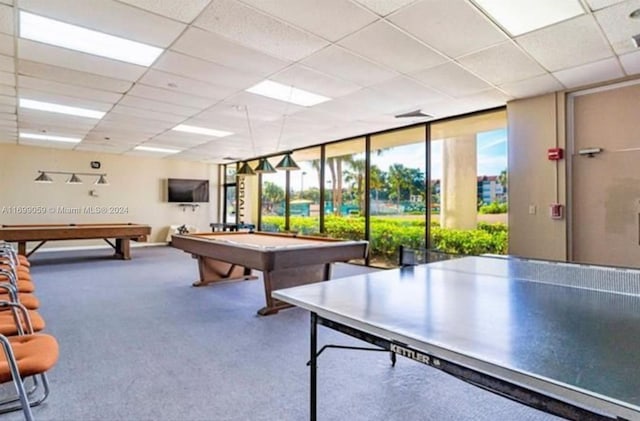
[[61, 109], [201, 130], [154, 149], [49, 31], [287, 93], [521, 16], [50, 138]]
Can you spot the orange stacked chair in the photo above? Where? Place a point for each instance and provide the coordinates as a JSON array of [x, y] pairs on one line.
[[26, 354]]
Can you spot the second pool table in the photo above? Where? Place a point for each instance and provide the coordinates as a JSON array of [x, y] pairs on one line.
[[285, 260]]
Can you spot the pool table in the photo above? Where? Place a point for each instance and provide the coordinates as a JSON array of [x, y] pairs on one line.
[[285, 260], [123, 233]]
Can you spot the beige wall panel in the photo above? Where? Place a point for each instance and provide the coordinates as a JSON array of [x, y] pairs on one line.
[[606, 187], [137, 185], [534, 181]]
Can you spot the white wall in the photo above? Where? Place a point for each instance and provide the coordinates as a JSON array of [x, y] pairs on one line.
[[137, 185]]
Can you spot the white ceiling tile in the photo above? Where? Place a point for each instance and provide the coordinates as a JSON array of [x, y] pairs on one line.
[[7, 64], [384, 7], [147, 104], [487, 99], [386, 45], [341, 63], [6, 19], [51, 129], [184, 85], [110, 17], [171, 97], [567, 44], [403, 92], [170, 138], [330, 19], [348, 108], [363, 103], [453, 27], [72, 77], [451, 79], [36, 118], [618, 27], [100, 136], [147, 114], [27, 82], [218, 49], [216, 119], [46, 144], [57, 98], [61, 57], [188, 156], [183, 10], [127, 123], [6, 45], [102, 147], [260, 107], [7, 90], [601, 4], [502, 63], [631, 63], [314, 81], [590, 73], [133, 152], [257, 30], [8, 117], [205, 71], [537, 85], [7, 78]]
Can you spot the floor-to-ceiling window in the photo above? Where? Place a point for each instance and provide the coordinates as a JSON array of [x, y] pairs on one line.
[[304, 203], [469, 184], [230, 194], [273, 199], [441, 185], [344, 189], [397, 193]]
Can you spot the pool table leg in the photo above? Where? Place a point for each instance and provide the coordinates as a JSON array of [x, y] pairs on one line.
[[123, 249], [285, 278], [22, 248], [212, 271]]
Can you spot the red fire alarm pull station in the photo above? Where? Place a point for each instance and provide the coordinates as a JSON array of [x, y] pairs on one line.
[[555, 211], [554, 154]]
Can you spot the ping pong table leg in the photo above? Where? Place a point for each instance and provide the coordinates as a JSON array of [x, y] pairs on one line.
[[313, 360]]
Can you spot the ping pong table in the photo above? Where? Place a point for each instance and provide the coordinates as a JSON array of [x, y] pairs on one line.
[[563, 338]]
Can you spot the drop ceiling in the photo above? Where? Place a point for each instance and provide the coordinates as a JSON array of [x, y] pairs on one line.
[[374, 58]]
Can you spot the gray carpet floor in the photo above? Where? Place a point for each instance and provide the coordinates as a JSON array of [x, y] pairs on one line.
[[138, 342]]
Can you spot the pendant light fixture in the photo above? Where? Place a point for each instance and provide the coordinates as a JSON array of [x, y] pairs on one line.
[[245, 170], [287, 163], [264, 167]]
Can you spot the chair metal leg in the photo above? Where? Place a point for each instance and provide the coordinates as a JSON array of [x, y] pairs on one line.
[[17, 380]]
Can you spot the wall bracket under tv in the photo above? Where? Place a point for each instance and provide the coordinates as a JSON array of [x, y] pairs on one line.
[[193, 206]]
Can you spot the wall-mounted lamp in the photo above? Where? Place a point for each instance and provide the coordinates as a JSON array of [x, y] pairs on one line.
[[44, 177]]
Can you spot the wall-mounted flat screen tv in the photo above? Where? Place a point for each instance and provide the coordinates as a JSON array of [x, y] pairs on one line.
[[183, 190]]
